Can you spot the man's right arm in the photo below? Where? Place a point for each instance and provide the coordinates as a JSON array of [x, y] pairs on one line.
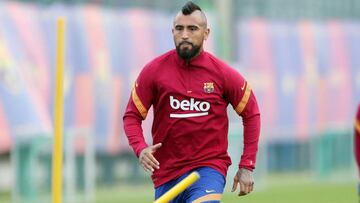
[[357, 138], [132, 125], [134, 133], [140, 101], [136, 111]]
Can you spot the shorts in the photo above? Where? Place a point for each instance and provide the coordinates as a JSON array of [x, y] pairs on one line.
[[209, 188]]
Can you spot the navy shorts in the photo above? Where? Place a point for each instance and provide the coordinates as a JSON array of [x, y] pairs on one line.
[[209, 188]]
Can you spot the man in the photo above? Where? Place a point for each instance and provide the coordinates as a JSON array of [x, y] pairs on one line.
[[190, 90], [357, 143]]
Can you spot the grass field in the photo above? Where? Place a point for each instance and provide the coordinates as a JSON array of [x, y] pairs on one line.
[[276, 189], [302, 193]]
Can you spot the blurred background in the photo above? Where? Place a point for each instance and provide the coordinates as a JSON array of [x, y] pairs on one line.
[[301, 57]]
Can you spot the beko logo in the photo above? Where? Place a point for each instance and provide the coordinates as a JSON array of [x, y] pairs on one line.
[[192, 105]]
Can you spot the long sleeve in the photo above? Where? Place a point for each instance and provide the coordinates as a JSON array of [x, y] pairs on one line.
[[133, 130], [240, 95], [357, 138], [137, 109], [251, 122]]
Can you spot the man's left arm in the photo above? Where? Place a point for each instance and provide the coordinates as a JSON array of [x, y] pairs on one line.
[[240, 95], [251, 122]]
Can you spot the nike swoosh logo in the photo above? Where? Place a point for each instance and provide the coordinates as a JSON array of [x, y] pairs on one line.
[[242, 88], [209, 191]]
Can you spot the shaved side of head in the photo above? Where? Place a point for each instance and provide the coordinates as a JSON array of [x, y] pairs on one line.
[[189, 8]]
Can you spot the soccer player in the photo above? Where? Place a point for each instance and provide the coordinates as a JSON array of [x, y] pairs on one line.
[[190, 90], [357, 144]]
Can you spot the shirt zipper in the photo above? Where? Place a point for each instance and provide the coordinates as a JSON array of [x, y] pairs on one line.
[[188, 88]]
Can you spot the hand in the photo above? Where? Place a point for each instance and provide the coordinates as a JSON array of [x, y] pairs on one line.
[[147, 160], [245, 179]]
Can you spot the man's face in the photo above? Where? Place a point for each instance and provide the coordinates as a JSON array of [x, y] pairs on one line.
[[189, 33]]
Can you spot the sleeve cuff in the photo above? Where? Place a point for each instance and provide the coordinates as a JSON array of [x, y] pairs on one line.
[[248, 164], [140, 148]]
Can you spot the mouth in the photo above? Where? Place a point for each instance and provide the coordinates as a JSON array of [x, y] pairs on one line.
[[185, 46], [185, 43]]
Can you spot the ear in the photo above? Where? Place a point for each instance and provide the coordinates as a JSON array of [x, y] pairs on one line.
[[206, 33]]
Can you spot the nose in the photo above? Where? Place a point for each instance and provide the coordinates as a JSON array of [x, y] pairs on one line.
[[184, 34]]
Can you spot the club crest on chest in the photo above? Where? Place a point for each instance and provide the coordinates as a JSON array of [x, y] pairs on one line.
[[208, 87]]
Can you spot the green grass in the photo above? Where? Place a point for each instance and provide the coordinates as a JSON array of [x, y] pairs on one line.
[[300, 193], [5, 197], [276, 189]]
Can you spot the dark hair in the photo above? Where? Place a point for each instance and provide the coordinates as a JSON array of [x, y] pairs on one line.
[[189, 8]]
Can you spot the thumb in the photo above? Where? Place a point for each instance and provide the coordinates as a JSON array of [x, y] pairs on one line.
[[235, 183], [234, 186], [157, 146]]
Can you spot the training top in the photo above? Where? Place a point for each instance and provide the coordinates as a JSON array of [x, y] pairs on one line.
[[357, 138], [190, 102]]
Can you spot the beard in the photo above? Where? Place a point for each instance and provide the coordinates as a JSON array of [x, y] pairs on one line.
[[187, 53]]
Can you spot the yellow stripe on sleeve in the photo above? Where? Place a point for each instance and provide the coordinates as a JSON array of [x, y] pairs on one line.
[[209, 197], [240, 107], [139, 105], [357, 126]]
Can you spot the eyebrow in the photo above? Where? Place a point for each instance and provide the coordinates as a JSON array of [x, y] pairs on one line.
[[179, 25], [189, 26]]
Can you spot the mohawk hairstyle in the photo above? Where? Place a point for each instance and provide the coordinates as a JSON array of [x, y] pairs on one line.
[[189, 8]]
